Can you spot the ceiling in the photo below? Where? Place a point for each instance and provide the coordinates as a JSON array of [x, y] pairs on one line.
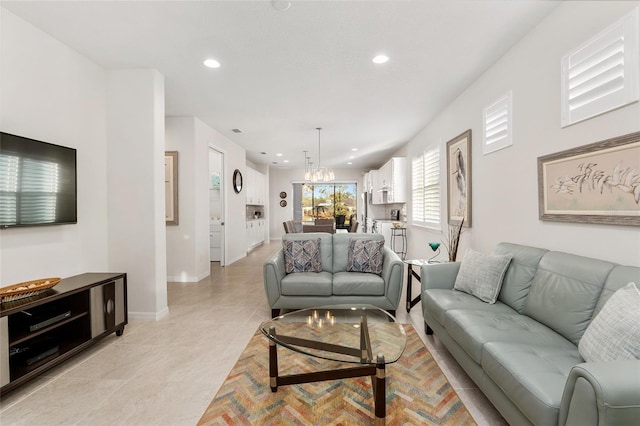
[[285, 72]]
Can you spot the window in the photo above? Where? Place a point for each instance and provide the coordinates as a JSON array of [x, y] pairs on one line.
[[322, 200], [425, 188], [602, 74], [497, 125]]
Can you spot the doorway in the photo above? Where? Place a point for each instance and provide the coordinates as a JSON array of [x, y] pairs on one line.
[[216, 206]]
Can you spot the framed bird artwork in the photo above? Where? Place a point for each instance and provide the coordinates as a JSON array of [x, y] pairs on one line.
[[459, 178]]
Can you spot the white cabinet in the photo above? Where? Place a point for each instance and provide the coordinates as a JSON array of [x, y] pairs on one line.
[[397, 175], [390, 182], [255, 184], [215, 242], [255, 231]]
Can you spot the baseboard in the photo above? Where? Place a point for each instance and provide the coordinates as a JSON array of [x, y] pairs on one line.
[[149, 316], [187, 278]]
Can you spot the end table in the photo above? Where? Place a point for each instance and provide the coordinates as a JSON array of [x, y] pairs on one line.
[[411, 273]]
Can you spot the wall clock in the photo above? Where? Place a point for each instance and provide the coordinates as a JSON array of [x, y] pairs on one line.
[[237, 181]]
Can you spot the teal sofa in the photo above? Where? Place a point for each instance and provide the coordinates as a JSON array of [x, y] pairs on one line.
[[334, 284], [522, 351]]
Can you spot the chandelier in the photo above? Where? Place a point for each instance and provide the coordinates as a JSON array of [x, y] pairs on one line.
[[316, 174]]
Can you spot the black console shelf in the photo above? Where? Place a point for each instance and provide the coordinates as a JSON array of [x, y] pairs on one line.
[[39, 332]]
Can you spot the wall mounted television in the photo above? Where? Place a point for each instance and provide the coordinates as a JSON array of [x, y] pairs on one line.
[[37, 183]]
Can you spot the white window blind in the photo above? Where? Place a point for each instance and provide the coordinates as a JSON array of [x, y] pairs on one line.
[[498, 125], [603, 73], [425, 186]]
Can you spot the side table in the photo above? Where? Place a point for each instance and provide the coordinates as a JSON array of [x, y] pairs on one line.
[[402, 234], [411, 273]]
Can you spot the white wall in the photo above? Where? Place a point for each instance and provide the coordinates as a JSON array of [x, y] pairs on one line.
[[188, 242], [504, 183], [283, 179], [53, 94], [234, 204], [136, 208]]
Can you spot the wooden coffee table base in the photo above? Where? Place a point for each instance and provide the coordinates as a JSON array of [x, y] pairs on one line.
[[375, 371]]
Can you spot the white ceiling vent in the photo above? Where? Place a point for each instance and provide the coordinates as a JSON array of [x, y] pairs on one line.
[[602, 74]]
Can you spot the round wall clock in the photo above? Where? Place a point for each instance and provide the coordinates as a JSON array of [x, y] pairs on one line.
[[237, 181], [283, 203], [283, 194]]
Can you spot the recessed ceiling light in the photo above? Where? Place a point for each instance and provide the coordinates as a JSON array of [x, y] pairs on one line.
[[286, 161], [354, 149], [278, 155], [236, 130], [349, 162], [380, 59], [211, 63], [351, 157], [263, 153], [281, 5]]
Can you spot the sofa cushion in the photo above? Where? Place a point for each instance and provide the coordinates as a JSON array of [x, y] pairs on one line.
[[438, 301], [481, 274], [302, 256], [564, 292], [532, 375], [472, 329], [307, 284], [614, 334], [326, 246], [341, 247], [365, 256], [619, 277], [519, 275], [357, 284]]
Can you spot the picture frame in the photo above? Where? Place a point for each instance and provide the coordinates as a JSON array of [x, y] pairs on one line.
[[596, 183], [459, 178], [171, 187]]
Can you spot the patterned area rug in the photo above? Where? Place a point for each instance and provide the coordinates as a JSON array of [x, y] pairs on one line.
[[418, 393]]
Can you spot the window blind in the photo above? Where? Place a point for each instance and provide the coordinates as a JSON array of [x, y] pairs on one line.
[[601, 74], [425, 184]]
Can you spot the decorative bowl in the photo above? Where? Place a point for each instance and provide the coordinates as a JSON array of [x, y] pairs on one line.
[[397, 224], [26, 289]]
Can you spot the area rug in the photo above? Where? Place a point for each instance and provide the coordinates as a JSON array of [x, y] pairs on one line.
[[418, 393]]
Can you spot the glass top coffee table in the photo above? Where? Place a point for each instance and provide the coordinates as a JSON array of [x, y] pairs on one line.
[[363, 335]]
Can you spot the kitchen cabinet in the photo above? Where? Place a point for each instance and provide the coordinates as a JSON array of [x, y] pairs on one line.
[[255, 184], [255, 231], [390, 184]]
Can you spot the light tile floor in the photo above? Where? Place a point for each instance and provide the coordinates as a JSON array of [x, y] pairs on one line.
[[166, 372]]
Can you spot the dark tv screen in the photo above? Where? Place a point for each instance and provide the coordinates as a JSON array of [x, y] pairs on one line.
[[37, 183]]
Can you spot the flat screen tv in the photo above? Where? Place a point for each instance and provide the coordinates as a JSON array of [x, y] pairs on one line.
[[37, 183]]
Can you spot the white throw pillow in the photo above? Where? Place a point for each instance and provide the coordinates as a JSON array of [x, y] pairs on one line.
[[614, 334], [481, 274]]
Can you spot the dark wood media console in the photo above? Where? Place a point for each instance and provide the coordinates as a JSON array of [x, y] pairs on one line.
[[39, 332]]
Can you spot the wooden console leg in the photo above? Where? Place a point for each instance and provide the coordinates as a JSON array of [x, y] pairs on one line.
[[273, 362], [380, 392]]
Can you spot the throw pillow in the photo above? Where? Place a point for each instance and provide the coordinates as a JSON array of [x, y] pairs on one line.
[[614, 334], [365, 256], [302, 256], [481, 274]]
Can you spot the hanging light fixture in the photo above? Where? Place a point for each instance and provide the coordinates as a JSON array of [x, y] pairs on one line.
[[317, 174]]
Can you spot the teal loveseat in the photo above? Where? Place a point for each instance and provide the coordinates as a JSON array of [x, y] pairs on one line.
[[334, 284], [522, 351]]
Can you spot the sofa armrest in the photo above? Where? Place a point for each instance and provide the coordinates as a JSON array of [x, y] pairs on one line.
[[438, 275], [393, 275], [602, 393], [273, 271]]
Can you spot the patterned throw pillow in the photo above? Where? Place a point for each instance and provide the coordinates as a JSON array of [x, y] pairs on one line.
[[614, 334], [481, 274], [365, 256], [302, 256]]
